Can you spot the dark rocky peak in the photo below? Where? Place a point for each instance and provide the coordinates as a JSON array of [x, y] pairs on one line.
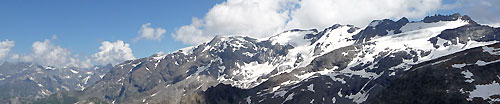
[[380, 28], [403, 20], [352, 29], [333, 27], [453, 17], [300, 30], [464, 34]]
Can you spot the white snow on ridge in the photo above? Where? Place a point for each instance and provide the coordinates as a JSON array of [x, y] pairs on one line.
[[418, 39], [302, 53], [331, 40], [421, 25], [159, 56], [415, 37], [293, 38], [187, 50]]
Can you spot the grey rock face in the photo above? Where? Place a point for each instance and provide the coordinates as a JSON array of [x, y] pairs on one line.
[[380, 28]]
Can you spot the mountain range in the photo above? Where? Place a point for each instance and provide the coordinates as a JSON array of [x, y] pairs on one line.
[[23, 82], [440, 59]]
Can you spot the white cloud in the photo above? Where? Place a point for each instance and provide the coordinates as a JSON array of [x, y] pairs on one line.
[[14, 56], [494, 24], [148, 32], [481, 11], [257, 18], [263, 18], [5, 47], [113, 53], [46, 53]]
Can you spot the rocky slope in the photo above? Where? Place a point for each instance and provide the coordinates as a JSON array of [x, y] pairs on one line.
[[470, 76], [340, 64], [22, 82]]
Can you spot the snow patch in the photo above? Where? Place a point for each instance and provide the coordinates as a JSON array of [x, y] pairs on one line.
[[334, 100], [491, 50], [486, 91], [374, 23], [289, 97], [249, 101], [310, 87], [40, 85], [458, 65], [86, 79], [251, 72], [187, 50], [49, 68], [468, 76], [155, 93], [74, 71], [280, 93], [483, 63]]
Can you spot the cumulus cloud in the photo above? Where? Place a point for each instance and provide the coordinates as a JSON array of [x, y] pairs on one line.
[[148, 32], [5, 47], [113, 53], [494, 24], [257, 18], [263, 18], [46, 53]]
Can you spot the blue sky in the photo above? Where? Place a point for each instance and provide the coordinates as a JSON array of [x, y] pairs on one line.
[[82, 26]]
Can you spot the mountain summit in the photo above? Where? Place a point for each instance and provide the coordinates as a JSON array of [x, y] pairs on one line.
[[340, 64]]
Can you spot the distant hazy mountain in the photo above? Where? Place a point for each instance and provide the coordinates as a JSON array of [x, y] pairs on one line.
[[340, 64], [23, 82]]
